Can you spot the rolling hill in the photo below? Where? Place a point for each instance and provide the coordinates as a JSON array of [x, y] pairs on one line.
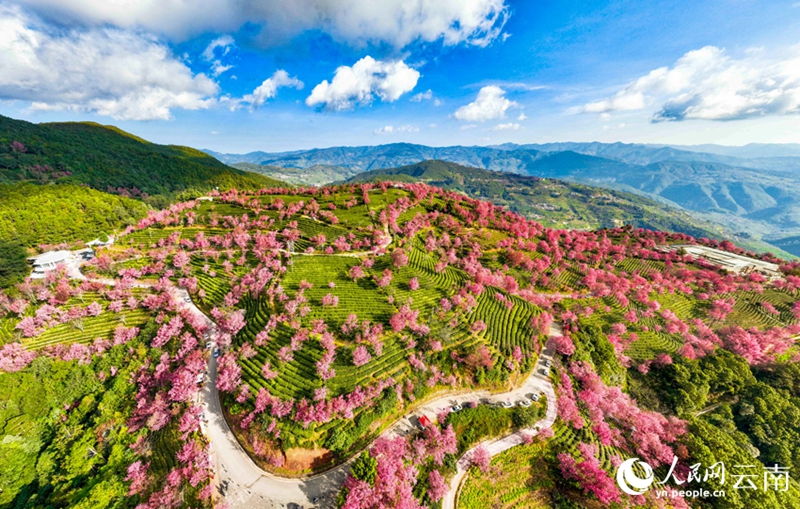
[[552, 202], [749, 195], [63, 182], [108, 159]]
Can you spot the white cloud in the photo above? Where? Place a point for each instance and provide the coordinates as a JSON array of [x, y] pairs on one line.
[[360, 83], [396, 22], [224, 43], [507, 127], [423, 96], [220, 46], [401, 129], [107, 71], [522, 117], [426, 96], [709, 84], [613, 128], [269, 88], [490, 104]]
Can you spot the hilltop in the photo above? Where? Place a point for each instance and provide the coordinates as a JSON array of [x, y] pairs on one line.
[[554, 203], [111, 160], [748, 191], [344, 313]]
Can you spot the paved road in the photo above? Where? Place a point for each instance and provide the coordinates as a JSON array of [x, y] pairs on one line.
[[251, 487], [537, 382]]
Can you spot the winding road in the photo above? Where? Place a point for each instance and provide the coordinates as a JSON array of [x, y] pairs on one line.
[[249, 486]]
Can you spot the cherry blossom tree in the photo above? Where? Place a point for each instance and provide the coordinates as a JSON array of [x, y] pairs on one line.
[[480, 458]]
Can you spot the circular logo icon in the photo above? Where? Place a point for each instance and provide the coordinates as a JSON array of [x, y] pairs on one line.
[[629, 482]]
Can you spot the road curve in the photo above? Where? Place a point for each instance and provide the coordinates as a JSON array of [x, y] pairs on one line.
[[537, 381], [249, 486], [252, 487]]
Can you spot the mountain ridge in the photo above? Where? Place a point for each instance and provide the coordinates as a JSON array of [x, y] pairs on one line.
[[748, 196]]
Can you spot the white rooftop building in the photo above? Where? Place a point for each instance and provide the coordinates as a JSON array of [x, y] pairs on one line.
[[48, 261], [732, 262]]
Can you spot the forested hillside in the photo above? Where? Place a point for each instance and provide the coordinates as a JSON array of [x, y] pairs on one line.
[[749, 191], [32, 215], [111, 160]]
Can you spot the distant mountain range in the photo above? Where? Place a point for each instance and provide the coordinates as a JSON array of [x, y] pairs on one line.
[[751, 190]]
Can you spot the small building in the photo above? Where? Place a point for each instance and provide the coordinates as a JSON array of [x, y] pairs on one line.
[[98, 242], [48, 261], [731, 262]]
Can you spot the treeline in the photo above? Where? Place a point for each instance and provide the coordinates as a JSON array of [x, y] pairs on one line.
[[111, 160], [31, 215], [550, 201]]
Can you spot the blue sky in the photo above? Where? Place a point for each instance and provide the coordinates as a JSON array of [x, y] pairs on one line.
[[316, 73]]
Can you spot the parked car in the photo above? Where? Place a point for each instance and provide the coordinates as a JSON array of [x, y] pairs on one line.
[[216, 352], [548, 363], [456, 408], [209, 345], [507, 404], [535, 396], [545, 371], [525, 403]]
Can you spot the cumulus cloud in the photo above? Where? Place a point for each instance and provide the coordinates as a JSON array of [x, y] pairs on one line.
[[216, 49], [269, 88], [490, 104], [396, 22], [507, 127], [400, 129], [103, 70], [363, 81], [709, 84]]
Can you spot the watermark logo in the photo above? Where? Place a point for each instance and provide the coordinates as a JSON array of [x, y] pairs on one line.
[[636, 477], [629, 481]]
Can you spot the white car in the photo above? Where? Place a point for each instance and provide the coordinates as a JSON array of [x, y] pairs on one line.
[[535, 396], [525, 403], [507, 404], [548, 363], [456, 408]]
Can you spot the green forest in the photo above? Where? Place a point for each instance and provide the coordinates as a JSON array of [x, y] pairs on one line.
[[111, 160], [32, 215], [66, 441]]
